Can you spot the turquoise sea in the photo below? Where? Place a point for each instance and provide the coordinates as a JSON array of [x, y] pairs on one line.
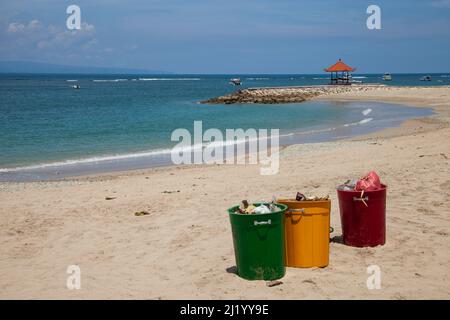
[[49, 130]]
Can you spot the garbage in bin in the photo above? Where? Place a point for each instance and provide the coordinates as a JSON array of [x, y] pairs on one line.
[[307, 231], [261, 209], [348, 185], [246, 208], [258, 241], [302, 197], [363, 211], [370, 182]]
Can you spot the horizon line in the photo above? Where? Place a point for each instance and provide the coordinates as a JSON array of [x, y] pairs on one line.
[[205, 74]]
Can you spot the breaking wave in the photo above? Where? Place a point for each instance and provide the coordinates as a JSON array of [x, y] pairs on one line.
[[109, 80], [168, 151], [169, 79]]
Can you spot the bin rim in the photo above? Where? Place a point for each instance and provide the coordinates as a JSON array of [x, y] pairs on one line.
[[383, 187], [283, 208]]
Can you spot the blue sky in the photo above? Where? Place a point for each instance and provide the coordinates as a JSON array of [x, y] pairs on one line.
[[232, 36]]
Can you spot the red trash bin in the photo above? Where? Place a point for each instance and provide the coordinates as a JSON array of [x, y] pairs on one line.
[[363, 226]]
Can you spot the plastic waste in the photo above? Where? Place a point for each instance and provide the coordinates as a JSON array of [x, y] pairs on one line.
[[243, 206], [302, 197], [246, 208], [250, 209], [348, 185], [369, 182], [261, 209], [273, 208]]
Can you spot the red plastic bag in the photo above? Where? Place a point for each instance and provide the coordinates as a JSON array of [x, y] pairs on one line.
[[370, 182]]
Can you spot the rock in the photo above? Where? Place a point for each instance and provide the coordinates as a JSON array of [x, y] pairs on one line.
[[283, 94]]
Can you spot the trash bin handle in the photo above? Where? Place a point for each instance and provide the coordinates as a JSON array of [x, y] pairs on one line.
[[366, 198], [296, 211], [256, 223]]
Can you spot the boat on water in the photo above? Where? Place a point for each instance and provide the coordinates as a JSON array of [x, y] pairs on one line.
[[236, 81], [426, 78], [387, 77], [76, 86]]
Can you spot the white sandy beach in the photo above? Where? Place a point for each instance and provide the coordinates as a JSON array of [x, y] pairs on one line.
[[183, 248]]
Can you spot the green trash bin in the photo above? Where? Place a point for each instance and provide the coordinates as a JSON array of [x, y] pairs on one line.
[[259, 244]]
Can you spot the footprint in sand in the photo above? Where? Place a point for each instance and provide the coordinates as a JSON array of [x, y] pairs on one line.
[[445, 187], [365, 252], [309, 281], [437, 204], [425, 211]]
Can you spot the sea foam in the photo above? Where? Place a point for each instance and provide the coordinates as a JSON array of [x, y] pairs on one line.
[[169, 79]]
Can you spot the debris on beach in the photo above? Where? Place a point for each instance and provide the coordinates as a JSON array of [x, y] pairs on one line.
[[309, 281], [273, 283], [434, 155], [141, 213], [169, 192], [110, 198]]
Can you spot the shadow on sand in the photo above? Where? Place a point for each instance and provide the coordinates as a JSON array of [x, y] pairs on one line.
[[232, 269], [337, 239]]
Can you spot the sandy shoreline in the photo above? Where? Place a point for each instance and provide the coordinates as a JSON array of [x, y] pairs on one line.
[[184, 247]]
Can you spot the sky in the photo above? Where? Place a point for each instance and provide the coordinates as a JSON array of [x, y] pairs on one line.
[[232, 36]]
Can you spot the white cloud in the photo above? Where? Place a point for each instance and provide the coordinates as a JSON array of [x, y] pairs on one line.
[[83, 38], [34, 24], [16, 27], [51, 41]]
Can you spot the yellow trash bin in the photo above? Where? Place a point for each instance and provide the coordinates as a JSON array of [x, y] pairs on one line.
[[307, 233]]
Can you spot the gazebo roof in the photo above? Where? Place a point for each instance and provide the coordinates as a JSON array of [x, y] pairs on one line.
[[339, 66]]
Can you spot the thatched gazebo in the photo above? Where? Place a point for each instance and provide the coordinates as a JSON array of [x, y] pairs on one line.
[[340, 73]]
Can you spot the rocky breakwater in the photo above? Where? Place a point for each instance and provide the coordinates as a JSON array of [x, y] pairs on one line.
[[276, 95]]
